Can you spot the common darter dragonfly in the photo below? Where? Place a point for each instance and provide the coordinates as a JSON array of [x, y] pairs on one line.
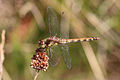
[[46, 53]]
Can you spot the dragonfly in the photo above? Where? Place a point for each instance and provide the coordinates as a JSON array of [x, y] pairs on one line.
[[46, 53]]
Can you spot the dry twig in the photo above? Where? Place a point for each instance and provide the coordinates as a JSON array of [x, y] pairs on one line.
[[2, 52], [36, 76]]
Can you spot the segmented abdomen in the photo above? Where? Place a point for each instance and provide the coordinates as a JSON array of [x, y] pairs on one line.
[[79, 39]]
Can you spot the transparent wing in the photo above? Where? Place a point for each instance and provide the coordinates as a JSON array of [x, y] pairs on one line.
[[53, 23], [54, 55], [65, 34], [54, 29], [66, 55]]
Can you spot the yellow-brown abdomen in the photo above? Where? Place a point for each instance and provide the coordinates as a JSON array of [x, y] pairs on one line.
[[79, 39]]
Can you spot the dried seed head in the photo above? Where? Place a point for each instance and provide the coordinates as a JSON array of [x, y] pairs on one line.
[[40, 61], [39, 50]]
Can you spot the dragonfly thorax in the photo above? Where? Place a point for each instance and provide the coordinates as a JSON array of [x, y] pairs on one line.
[[49, 42]]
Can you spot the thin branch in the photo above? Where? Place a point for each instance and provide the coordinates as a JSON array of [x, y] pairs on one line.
[[2, 52], [36, 76]]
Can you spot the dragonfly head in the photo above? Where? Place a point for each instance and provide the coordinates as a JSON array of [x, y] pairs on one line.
[[42, 44]]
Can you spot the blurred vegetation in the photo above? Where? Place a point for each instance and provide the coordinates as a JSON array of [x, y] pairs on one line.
[[25, 24]]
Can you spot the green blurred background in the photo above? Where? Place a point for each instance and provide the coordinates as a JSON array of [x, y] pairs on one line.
[[25, 24]]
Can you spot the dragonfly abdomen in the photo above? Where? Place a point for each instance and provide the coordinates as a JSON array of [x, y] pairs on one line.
[[78, 40]]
